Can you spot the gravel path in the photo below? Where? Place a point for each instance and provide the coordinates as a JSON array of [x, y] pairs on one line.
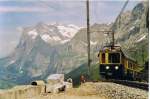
[[116, 91], [100, 90], [62, 96]]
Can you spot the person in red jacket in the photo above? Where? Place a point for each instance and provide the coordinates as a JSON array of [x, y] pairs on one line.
[[82, 79]]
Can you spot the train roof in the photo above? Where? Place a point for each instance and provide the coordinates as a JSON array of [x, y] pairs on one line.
[[110, 48], [117, 49]]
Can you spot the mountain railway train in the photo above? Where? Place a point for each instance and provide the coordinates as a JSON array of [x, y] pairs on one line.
[[113, 63]]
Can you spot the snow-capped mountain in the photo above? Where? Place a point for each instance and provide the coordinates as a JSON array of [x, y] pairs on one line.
[[52, 33], [37, 54]]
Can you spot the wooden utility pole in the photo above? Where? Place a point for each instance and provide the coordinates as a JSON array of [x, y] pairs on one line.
[[88, 34], [113, 39]]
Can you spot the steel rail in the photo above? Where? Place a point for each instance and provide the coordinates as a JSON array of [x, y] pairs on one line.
[[134, 84]]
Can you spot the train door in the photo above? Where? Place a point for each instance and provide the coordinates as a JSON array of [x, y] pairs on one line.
[[103, 58], [129, 71]]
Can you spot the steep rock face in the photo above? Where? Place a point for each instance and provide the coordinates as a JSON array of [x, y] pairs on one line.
[[36, 55], [78, 45], [132, 33]]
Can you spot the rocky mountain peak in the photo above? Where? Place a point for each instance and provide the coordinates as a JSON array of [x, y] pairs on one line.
[[51, 33]]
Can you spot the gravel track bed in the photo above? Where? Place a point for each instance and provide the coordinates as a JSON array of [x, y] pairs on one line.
[[99, 90], [116, 91]]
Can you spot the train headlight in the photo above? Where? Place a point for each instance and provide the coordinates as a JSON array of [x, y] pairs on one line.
[[107, 67], [116, 67]]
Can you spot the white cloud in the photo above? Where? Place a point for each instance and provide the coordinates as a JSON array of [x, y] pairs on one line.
[[4, 9]]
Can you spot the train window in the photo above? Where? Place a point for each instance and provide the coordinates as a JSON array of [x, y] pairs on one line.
[[103, 57], [114, 57], [130, 65]]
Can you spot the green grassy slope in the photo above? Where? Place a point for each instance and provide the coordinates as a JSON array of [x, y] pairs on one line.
[[83, 70], [6, 84]]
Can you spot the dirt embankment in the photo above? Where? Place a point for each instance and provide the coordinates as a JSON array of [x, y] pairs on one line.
[[85, 91], [101, 90]]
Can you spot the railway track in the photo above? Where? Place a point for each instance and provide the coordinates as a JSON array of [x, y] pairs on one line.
[[135, 84]]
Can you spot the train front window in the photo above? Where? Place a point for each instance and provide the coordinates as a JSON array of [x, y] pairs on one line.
[[114, 57]]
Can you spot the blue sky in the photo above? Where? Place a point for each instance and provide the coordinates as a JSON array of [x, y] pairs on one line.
[[22, 13]]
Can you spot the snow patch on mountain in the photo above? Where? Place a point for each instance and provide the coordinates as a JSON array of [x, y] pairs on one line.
[[64, 41], [139, 40], [93, 43], [13, 61], [132, 28], [85, 44], [33, 34], [56, 38], [51, 33], [69, 31], [74, 26], [46, 37]]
